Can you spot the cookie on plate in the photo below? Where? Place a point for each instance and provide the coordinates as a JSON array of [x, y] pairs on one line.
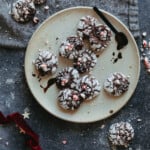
[[67, 78], [70, 47], [116, 84], [100, 38], [69, 99], [46, 63], [85, 61], [85, 26], [89, 87]]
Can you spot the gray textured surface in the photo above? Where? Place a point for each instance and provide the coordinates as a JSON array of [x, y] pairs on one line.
[[15, 96]]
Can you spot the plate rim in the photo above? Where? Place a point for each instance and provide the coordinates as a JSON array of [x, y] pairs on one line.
[[116, 19]]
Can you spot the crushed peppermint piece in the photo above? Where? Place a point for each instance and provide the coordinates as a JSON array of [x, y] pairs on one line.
[[144, 43], [146, 63], [64, 142]]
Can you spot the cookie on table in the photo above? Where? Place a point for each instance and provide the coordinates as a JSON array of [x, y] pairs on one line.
[[46, 63], [70, 47], [69, 99], [85, 26], [38, 2], [85, 61], [67, 78], [121, 134], [116, 84], [23, 10], [100, 38], [89, 87]]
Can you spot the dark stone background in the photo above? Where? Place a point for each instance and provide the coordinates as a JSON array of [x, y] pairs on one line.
[[15, 96]]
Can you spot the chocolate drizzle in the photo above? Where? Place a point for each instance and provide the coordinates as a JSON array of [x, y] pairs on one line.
[[49, 83]]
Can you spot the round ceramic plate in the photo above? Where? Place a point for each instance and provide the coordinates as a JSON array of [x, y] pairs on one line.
[[50, 35]]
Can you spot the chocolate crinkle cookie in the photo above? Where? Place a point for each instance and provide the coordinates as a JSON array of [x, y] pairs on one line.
[[69, 99], [70, 47], [121, 134], [38, 2], [100, 38], [85, 61], [89, 87], [116, 84], [67, 78], [85, 26], [46, 63], [23, 10]]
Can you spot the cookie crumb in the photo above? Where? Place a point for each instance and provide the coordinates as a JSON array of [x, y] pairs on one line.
[[111, 111], [139, 120], [102, 126], [35, 20], [7, 143]]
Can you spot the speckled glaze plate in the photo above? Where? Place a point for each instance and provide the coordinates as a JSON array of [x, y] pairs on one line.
[[50, 34]]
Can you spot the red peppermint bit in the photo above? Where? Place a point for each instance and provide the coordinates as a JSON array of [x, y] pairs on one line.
[[33, 141], [146, 63], [64, 142], [75, 97], [144, 43]]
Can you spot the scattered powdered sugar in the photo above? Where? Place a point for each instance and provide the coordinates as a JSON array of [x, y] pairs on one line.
[[9, 81]]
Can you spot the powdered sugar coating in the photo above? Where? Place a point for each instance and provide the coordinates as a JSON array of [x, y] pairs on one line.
[[69, 99], [39, 1], [100, 37], [121, 134], [89, 87], [46, 62], [116, 84], [85, 61], [23, 10], [70, 47], [85, 26], [67, 78]]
